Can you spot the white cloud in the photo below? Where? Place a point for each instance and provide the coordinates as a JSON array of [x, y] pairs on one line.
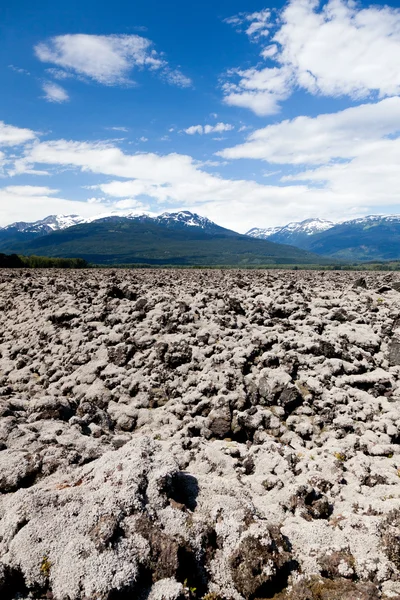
[[106, 59], [316, 140], [54, 92], [335, 49], [255, 24], [131, 204], [194, 129], [218, 128], [342, 48], [124, 129], [176, 77], [143, 139], [176, 180], [18, 70], [362, 138], [260, 90], [373, 175], [59, 73], [29, 190], [24, 205], [13, 136]]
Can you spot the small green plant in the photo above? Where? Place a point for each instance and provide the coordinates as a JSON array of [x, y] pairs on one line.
[[339, 456], [191, 590], [45, 567]]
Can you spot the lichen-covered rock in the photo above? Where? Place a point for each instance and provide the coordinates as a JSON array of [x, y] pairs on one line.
[[194, 434]]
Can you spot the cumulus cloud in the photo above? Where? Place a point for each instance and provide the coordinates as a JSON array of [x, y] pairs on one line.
[[218, 128], [260, 90], [316, 140], [334, 49], [13, 136], [106, 59], [54, 92]]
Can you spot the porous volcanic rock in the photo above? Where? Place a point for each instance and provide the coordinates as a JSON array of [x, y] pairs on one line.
[[187, 435]]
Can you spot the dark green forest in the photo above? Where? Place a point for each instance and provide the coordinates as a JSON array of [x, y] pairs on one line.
[[40, 262]]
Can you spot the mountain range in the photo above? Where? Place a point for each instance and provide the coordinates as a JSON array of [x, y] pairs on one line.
[[181, 238], [187, 238], [375, 237]]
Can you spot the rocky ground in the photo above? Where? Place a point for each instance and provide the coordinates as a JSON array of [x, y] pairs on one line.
[[224, 435]]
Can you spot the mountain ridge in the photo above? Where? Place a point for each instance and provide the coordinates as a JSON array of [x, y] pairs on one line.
[[373, 237], [181, 238]]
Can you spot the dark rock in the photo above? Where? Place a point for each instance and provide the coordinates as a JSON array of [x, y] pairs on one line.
[[390, 534], [290, 399], [178, 354], [394, 352], [311, 503], [115, 292], [219, 422], [248, 465], [121, 354], [163, 561], [316, 588], [361, 283], [63, 317], [234, 306], [141, 304], [327, 349], [51, 408], [330, 564], [340, 315], [104, 532], [258, 564]]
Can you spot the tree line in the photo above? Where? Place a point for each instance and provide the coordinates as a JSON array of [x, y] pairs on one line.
[[16, 261]]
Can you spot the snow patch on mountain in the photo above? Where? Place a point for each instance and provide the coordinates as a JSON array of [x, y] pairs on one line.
[[307, 227], [373, 219], [263, 234]]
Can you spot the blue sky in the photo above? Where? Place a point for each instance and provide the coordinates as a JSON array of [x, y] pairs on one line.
[[251, 113]]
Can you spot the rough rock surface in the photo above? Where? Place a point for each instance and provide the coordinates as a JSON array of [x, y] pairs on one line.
[[225, 435]]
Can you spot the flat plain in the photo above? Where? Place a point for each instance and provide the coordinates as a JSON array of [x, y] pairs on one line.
[[187, 434]]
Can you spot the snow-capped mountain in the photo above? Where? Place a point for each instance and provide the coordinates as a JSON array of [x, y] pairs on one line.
[[374, 237], [25, 232], [59, 222], [306, 227], [50, 223], [372, 219], [263, 234]]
